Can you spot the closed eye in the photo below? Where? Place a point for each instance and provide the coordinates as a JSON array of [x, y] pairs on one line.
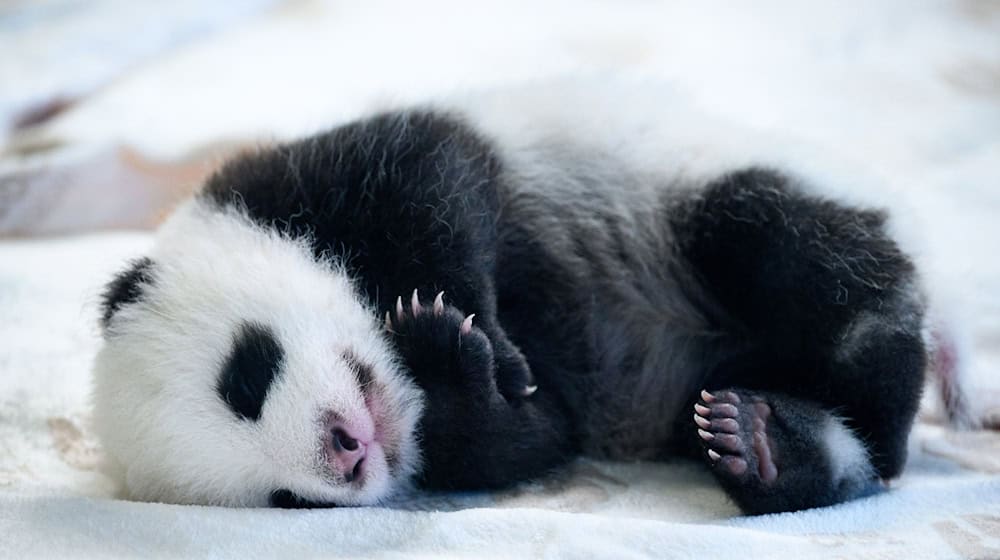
[[253, 363]]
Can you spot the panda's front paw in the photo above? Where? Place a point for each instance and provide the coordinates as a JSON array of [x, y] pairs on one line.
[[442, 346]]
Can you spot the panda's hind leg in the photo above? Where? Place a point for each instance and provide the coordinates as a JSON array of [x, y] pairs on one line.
[[822, 319], [772, 452]]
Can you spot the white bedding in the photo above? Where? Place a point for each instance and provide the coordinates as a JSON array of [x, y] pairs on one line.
[[912, 88]]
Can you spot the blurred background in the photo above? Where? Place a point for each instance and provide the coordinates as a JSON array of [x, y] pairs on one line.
[[111, 110]]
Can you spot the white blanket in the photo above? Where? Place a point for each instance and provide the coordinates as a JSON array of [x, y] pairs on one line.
[[910, 87]]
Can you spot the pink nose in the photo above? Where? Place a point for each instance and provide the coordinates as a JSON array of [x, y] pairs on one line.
[[347, 454]]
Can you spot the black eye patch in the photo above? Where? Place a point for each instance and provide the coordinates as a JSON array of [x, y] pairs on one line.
[[252, 365], [362, 371]]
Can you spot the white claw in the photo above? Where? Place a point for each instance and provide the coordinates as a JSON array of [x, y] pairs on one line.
[[713, 455], [707, 436], [388, 322], [529, 390], [415, 304], [707, 397], [702, 410], [702, 422], [466, 327], [399, 308], [439, 304]]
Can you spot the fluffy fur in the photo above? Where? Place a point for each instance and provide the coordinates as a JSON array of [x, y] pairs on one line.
[[625, 283], [159, 411]]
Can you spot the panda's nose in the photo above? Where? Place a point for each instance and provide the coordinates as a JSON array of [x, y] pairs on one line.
[[347, 454], [342, 441]]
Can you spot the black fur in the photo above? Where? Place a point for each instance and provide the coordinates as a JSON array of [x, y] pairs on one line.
[[461, 375], [418, 200], [405, 200], [797, 474], [362, 371], [286, 499], [125, 288], [793, 273], [410, 201], [252, 365]]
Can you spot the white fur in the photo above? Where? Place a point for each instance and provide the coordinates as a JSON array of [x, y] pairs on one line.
[[659, 135], [158, 413], [847, 456]]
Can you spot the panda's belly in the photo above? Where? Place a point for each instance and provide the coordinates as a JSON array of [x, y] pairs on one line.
[[647, 369], [612, 332]]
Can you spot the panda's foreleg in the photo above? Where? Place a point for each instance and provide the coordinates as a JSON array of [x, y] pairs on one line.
[[473, 434], [822, 378]]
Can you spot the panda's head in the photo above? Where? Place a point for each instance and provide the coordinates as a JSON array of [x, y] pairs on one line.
[[237, 369]]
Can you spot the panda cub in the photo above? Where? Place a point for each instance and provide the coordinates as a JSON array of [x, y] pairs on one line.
[[469, 295]]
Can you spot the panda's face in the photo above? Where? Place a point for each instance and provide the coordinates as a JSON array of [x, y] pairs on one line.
[[238, 370]]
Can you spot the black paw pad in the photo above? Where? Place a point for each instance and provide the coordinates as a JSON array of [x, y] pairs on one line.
[[733, 430]]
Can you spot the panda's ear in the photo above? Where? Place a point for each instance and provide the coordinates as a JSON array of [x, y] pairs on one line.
[[125, 288]]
